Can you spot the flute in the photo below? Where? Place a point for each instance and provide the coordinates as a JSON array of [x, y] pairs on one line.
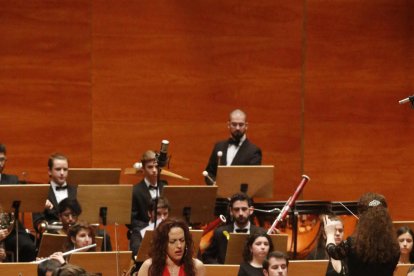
[[68, 252], [289, 204]]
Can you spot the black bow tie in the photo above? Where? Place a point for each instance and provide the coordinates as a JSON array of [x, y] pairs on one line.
[[239, 230], [61, 188], [231, 141], [152, 187]]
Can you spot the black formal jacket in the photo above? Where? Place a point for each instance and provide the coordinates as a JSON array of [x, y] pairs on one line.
[[216, 252], [141, 197], [9, 179], [53, 214], [248, 154]]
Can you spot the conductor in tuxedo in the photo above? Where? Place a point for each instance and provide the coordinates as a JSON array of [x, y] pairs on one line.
[[241, 208], [58, 166], [145, 191], [27, 249], [237, 150]]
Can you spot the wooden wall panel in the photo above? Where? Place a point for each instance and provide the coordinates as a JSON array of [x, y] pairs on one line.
[[357, 137], [174, 70], [45, 83]]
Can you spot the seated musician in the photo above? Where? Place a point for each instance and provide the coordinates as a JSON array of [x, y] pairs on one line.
[[241, 208], [257, 247], [335, 267], [172, 251], [405, 239], [276, 264], [145, 191], [163, 210], [69, 212], [47, 267], [27, 248], [80, 234], [58, 166]]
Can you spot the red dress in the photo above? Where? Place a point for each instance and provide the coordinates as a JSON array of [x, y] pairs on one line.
[[166, 272]]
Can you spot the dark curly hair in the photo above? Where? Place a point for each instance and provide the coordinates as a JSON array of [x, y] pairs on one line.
[[247, 253], [403, 230], [158, 251], [375, 238]]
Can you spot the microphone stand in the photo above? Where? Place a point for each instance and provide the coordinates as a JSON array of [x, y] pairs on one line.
[[16, 206], [102, 214], [155, 211]]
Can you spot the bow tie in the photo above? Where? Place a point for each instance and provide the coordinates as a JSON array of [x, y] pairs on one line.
[[152, 187], [241, 230], [231, 141], [61, 188]]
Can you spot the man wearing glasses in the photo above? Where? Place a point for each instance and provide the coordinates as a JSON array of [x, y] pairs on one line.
[[237, 150], [5, 178]]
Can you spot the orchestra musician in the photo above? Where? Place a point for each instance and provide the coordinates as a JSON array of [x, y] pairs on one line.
[[172, 251], [241, 208], [58, 166], [405, 239], [373, 248], [145, 191], [257, 247], [276, 264], [27, 248], [80, 234], [237, 150]]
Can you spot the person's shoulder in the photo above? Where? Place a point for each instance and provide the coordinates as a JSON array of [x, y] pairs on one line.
[[9, 179], [199, 267], [145, 267], [251, 145]]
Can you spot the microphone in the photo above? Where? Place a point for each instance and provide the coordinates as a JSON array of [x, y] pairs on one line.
[[219, 155], [137, 166], [162, 156], [406, 100], [212, 182]]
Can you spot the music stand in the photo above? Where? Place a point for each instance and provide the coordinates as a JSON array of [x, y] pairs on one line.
[[308, 267], [237, 241], [51, 243], [398, 224], [94, 175], [195, 204], [106, 263], [23, 198], [20, 269], [144, 249], [256, 181], [105, 204]]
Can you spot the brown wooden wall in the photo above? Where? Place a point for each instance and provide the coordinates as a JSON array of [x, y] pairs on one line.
[[103, 81]]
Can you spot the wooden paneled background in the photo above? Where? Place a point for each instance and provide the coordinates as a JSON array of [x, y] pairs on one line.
[[103, 81]]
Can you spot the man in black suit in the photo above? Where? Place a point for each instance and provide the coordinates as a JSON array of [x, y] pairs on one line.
[[145, 191], [241, 208], [27, 250], [58, 166], [237, 150]]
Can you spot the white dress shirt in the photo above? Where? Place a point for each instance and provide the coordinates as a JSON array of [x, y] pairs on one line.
[[232, 151]]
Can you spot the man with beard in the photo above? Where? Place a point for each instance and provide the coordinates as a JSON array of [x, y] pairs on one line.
[[241, 208], [237, 150]]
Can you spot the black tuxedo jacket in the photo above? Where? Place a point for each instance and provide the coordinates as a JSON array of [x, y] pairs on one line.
[[51, 215], [248, 154], [141, 197], [9, 179], [216, 252]]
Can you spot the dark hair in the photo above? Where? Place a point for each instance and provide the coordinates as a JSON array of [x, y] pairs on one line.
[[74, 230], [71, 204], [403, 230], [276, 255], [247, 253], [375, 238], [55, 156], [71, 270], [47, 266], [162, 203], [3, 149], [240, 197], [158, 251]]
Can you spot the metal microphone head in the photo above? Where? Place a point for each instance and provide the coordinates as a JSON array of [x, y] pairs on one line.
[[162, 156], [205, 173], [138, 166], [219, 153]]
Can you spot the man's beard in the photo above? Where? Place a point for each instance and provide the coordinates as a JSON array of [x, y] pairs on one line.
[[237, 136]]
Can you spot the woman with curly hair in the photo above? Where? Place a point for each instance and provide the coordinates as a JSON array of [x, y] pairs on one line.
[[80, 234], [257, 247], [172, 252], [373, 248], [405, 239]]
